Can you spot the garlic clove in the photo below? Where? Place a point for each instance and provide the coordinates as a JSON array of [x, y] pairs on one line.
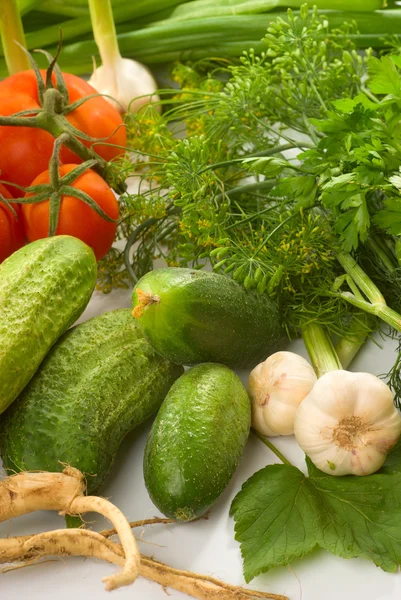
[[276, 388], [348, 423], [129, 82]]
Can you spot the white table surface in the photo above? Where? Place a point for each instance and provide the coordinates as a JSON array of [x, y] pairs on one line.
[[206, 547]]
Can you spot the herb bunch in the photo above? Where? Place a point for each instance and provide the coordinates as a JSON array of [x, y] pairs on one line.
[[270, 168]]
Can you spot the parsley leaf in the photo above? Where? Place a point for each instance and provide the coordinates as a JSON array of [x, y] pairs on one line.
[[384, 77], [280, 515], [390, 218]]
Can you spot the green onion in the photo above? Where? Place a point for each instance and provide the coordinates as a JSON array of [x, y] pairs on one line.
[[125, 82], [211, 8], [81, 26], [198, 38], [11, 32], [208, 37], [24, 6]]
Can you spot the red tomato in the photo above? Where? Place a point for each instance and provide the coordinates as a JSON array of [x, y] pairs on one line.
[[26, 147], [76, 218], [11, 230], [24, 151]]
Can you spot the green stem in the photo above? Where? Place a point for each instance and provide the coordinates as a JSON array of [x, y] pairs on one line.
[[11, 31], [267, 184], [104, 31], [272, 447], [382, 254], [320, 349], [349, 345], [269, 152], [384, 312], [362, 280]]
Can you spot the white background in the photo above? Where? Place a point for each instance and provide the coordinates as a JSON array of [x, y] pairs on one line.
[[206, 546]]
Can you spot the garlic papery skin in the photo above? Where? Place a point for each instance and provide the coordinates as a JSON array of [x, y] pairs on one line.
[[348, 423], [128, 82], [276, 388]]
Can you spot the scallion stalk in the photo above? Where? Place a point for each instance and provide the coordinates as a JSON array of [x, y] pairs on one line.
[[211, 8], [208, 37], [11, 32], [132, 15], [25, 6]]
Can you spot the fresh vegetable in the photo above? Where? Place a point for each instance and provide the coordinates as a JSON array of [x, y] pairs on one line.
[[281, 515], [25, 151], [196, 441], [27, 140], [128, 82], [12, 235], [44, 288], [28, 492], [348, 423], [94, 117], [193, 316], [84, 413], [75, 217], [276, 388]]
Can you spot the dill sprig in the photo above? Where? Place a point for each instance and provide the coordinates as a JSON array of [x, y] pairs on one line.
[[236, 170]]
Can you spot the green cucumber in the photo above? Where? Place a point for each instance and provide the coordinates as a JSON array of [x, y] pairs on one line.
[[196, 441], [100, 380], [44, 287], [194, 316]]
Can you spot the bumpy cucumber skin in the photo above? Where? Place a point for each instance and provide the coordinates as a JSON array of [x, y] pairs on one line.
[[196, 441], [99, 381], [206, 317], [44, 287]]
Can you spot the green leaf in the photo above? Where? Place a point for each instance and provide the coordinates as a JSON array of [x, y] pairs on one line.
[[361, 516], [301, 187], [384, 77], [345, 105], [275, 518], [340, 182], [393, 460], [281, 515], [390, 218], [271, 166]]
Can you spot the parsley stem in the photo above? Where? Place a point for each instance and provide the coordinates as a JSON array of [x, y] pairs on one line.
[[362, 280], [272, 447], [384, 312], [349, 345], [382, 253]]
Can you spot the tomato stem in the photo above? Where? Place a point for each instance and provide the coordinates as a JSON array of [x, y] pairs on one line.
[[12, 37]]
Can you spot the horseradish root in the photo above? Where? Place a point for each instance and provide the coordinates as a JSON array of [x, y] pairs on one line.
[[27, 492], [83, 542]]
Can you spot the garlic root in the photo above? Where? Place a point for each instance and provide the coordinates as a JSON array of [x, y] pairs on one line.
[[27, 492], [82, 542]]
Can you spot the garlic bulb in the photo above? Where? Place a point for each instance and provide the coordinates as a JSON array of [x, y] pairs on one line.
[[129, 82], [121, 78], [276, 387], [348, 423]]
